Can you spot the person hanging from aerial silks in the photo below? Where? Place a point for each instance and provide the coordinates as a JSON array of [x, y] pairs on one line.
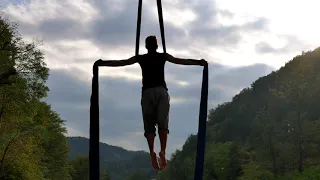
[[155, 100]]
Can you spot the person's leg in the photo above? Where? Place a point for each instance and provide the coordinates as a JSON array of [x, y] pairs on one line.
[[163, 122], [163, 134], [149, 125], [154, 160], [150, 139]]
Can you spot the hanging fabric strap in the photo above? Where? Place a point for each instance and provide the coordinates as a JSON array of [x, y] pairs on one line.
[[138, 27], [94, 152], [199, 165], [159, 7], [94, 163], [161, 25], [201, 143]]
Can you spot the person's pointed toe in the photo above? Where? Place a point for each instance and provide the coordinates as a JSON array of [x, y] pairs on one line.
[[163, 160], [154, 161]]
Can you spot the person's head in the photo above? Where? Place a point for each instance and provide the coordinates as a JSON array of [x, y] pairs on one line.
[[151, 43]]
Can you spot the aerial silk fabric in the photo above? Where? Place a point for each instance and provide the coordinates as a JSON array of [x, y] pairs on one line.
[[94, 166]]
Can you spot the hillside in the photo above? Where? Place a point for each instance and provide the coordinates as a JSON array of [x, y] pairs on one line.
[[268, 131], [117, 161]]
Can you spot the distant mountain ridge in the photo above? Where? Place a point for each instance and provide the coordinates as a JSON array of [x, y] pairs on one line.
[[118, 161]]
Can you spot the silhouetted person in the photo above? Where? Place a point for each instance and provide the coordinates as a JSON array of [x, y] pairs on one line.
[[155, 100]]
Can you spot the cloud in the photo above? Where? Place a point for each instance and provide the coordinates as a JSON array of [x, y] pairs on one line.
[[290, 44], [103, 22], [263, 47], [120, 111], [76, 33]]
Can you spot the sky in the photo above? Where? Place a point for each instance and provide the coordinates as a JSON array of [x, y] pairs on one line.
[[241, 40]]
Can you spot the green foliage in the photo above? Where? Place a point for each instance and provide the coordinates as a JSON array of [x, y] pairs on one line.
[[79, 169], [137, 176], [233, 167], [310, 173], [32, 143], [267, 131], [119, 163], [32, 136], [252, 171], [216, 160]]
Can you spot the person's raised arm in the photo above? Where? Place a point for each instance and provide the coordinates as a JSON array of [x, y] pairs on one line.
[[181, 61], [124, 62]]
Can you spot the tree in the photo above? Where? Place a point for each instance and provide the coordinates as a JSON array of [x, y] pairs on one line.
[[295, 94], [80, 168], [105, 175], [4, 77], [216, 160], [233, 167], [137, 176], [33, 143], [16, 115], [275, 122]]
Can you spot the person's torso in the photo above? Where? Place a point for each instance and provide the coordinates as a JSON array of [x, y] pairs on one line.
[[152, 66]]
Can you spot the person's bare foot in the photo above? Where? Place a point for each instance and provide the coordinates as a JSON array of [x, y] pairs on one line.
[[163, 160], [154, 161]]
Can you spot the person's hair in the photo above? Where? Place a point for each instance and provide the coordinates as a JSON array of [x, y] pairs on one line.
[[151, 42]]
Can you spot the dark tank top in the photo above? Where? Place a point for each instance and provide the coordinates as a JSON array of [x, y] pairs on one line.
[[152, 66]]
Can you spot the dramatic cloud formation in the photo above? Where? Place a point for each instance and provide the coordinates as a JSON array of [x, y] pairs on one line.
[[120, 112], [241, 41]]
